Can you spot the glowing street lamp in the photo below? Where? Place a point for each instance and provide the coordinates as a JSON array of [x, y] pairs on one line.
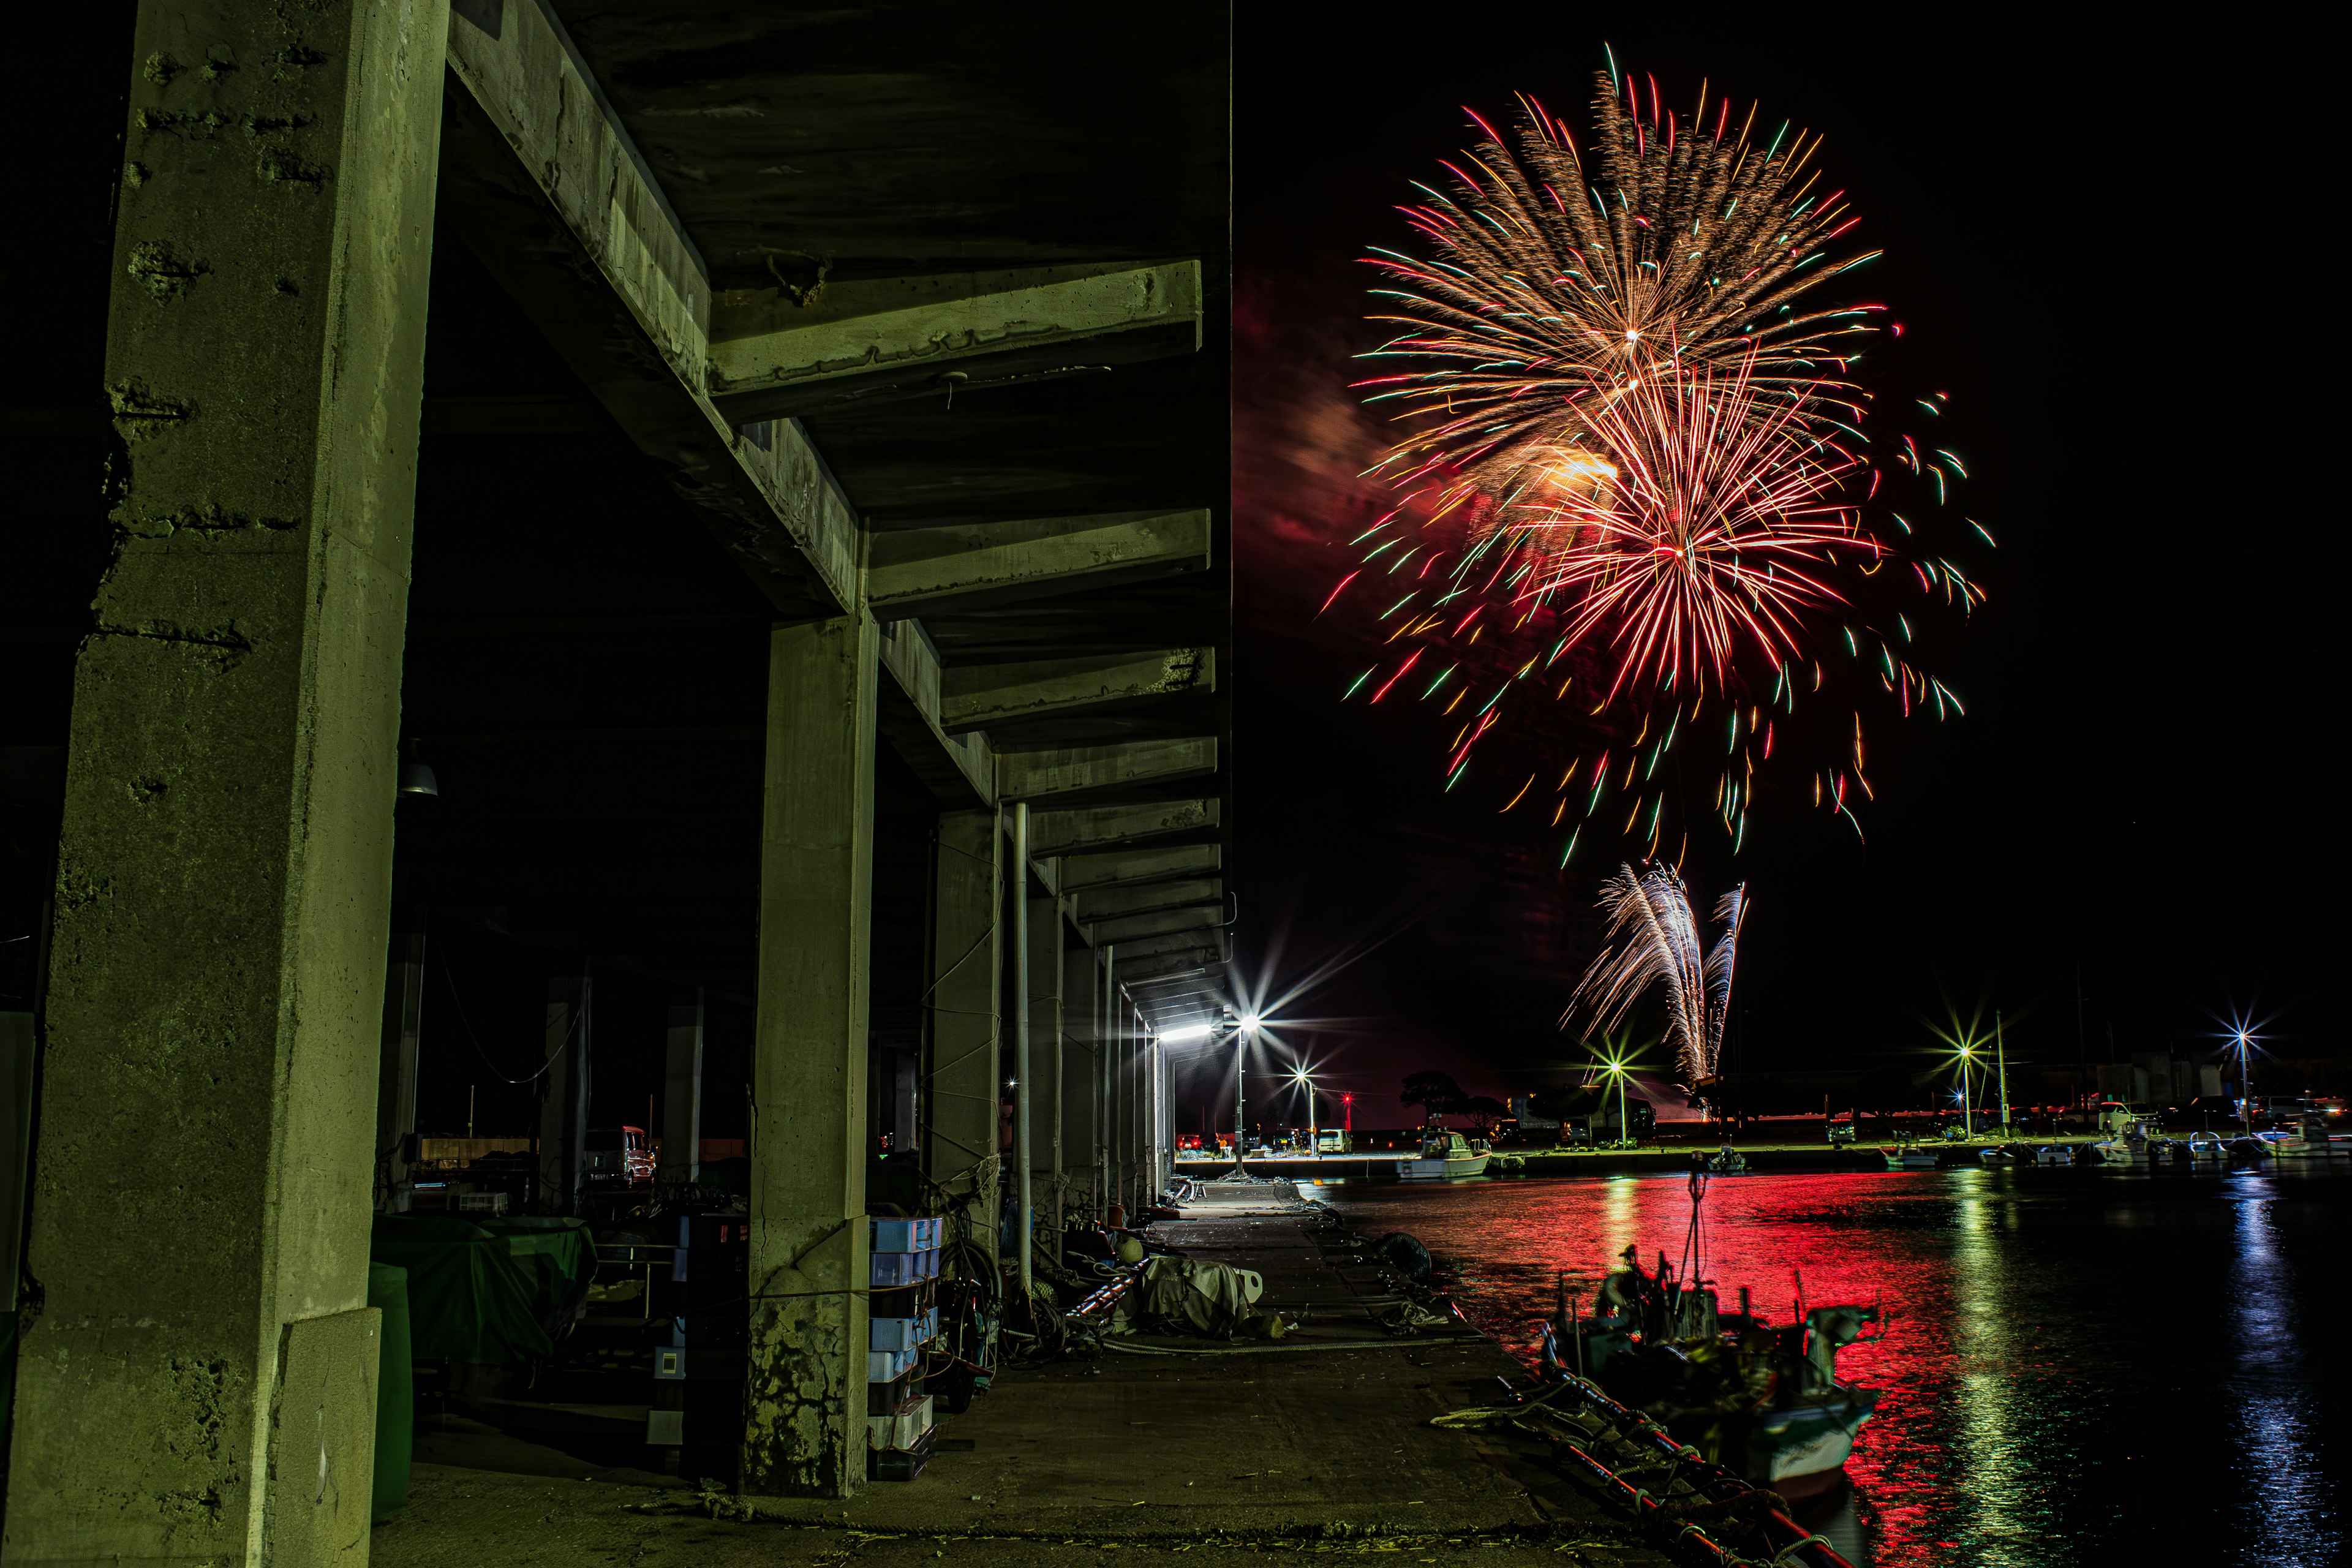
[[1242, 1030], [1305, 1080], [1618, 1065], [1968, 1115]]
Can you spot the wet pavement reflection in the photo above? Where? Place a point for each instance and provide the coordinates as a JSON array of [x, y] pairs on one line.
[[2082, 1366]]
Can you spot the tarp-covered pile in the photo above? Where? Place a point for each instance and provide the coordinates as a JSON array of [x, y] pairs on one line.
[[488, 1290], [1191, 1297]]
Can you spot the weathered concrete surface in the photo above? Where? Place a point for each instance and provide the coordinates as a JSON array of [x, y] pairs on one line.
[[1067, 770], [776, 353], [202, 1189], [1057, 832], [977, 697], [549, 189], [967, 566], [1074, 872], [805, 1398], [1321, 1444], [968, 949]]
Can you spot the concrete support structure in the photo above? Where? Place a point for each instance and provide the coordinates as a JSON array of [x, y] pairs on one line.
[[966, 996], [1048, 1062], [804, 1414], [395, 1095], [976, 696], [681, 1123], [1082, 1067], [979, 565], [199, 1384], [563, 1089], [857, 343]]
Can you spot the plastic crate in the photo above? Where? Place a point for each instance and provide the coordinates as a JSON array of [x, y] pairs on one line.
[[900, 1464], [901, 1333], [903, 1427], [887, 1366], [904, 1235], [895, 1269]]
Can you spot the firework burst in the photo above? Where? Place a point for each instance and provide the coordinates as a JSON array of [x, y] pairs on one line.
[[1625, 421], [1654, 938]]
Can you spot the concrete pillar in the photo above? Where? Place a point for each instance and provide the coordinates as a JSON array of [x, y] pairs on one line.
[[564, 1087], [199, 1382], [1047, 1054], [395, 1097], [804, 1414], [1081, 1018], [968, 963], [681, 1124]]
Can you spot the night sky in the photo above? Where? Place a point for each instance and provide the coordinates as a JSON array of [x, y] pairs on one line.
[[2109, 252]]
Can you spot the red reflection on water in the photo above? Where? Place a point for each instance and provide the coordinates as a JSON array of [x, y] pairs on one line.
[[1832, 1238]]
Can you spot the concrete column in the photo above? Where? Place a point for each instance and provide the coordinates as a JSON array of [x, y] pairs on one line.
[[1081, 1016], [564, 1087], [1047, 1062], [681, 1124], [966, 948], [199, 1382], [395, 1097], [804, 1414]]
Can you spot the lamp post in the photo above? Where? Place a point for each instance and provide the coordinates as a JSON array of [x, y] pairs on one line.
[[1305, 1080], [1615, 1067], [2245, 1088], [2000, 1056], [1242, 1030], [1968, 1117]]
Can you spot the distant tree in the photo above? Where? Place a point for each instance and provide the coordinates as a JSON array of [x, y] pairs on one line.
[[1435, 1092], [1484, 1111]]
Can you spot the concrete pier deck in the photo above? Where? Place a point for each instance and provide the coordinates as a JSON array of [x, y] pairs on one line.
[[1319, 1441]]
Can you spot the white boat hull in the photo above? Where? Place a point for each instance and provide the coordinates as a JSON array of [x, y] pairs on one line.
[[1441, 1169]]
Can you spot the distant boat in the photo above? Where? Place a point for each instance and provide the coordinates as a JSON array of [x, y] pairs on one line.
[[1443, 1156], [1910, 1157], [2054, 1155]]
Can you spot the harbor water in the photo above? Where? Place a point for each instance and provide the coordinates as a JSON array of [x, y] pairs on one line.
[[2082, 1366]]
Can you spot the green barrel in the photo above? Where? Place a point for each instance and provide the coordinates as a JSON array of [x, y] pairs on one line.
[[395, 1390]]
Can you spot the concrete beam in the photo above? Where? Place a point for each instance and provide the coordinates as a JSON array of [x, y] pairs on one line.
[[970, 566], [853, 344], [1170, 966], [978, 697], [1030, 774], [958, 769], [1196, 941], [1076, 873], [1115, 902], [1052, 831], [545, 186], [1160, 923]]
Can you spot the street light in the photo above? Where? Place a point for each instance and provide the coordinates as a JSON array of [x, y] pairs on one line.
[[1305, 1080], [2245, 1089], [1618, 1065], [1968, 1115], [1242, 1030]]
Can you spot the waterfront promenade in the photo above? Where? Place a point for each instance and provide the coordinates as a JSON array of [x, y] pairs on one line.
[[1319, 1441]]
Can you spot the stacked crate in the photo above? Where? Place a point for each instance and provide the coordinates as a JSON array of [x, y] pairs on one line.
[[902, 1318], [698, 1375]]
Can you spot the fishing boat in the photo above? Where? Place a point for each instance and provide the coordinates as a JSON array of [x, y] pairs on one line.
[[2205, 1148], [1443, 1156], [1910, 1156], [2054, 1155], [1764, 1401]]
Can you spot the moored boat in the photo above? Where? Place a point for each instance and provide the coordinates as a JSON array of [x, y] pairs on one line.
[[1764, 1401], [1910, 1156], [1443, 1156]]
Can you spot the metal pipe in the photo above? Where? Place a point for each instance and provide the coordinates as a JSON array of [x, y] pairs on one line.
[[1024, 1220]]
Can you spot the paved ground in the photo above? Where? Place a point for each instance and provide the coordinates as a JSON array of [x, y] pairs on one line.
[[1318, 1443]]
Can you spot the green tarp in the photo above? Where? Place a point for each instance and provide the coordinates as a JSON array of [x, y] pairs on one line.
[[487, 1290]]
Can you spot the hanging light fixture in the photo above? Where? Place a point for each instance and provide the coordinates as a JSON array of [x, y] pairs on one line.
[[416, 778]]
